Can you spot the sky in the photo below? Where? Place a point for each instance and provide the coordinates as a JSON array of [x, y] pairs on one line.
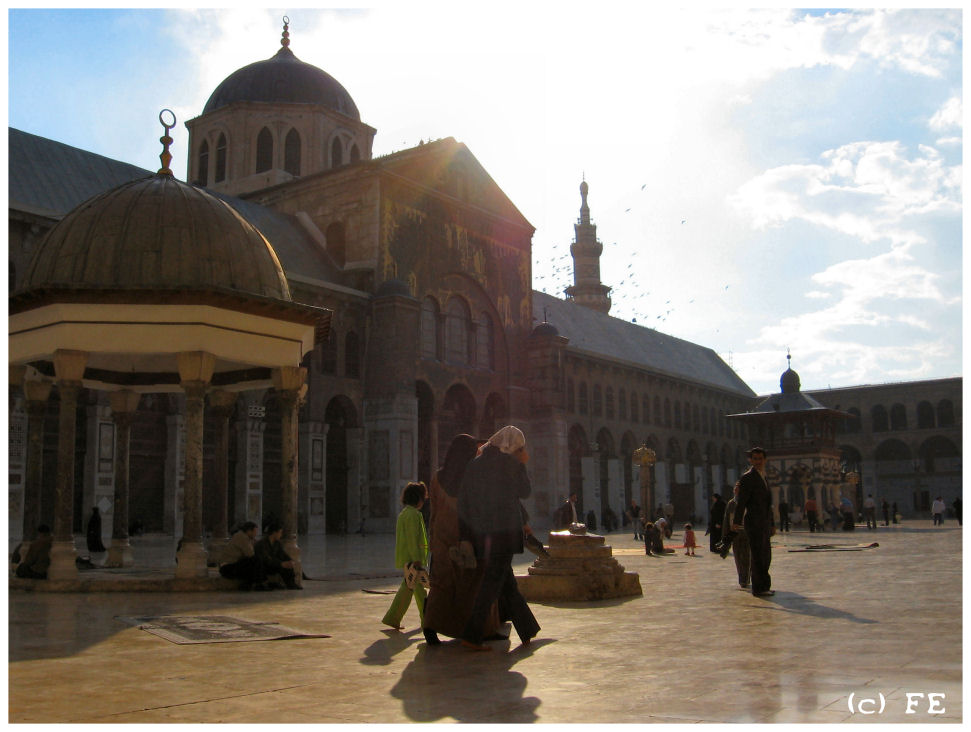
[[764, 182]]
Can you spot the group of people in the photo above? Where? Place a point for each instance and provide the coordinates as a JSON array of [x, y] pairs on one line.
[[258, 564], [477, 524]]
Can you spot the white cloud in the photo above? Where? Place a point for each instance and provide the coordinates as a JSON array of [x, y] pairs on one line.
[[948, 117], [867, 190]]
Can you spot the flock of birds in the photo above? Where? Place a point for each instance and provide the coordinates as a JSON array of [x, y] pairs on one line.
[[628, 299]]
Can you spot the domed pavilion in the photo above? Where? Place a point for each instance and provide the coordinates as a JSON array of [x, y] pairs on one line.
[[158, 286]]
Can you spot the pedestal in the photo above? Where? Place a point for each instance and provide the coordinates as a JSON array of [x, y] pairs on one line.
[[580, 567]]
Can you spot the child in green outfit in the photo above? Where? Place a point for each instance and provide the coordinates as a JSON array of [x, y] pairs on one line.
[[410, 551]]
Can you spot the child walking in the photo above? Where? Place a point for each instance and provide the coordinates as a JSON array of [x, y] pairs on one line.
[[410, 554], [689, 540]]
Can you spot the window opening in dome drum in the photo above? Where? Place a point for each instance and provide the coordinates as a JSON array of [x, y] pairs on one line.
[[202, 176], [291, 153], [264, 151], [221, 159], [336, 153]]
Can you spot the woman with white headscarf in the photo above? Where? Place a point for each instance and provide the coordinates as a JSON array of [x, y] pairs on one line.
[[491, 518]]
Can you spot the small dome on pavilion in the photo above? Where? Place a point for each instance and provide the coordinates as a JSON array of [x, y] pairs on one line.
[[157, 233]]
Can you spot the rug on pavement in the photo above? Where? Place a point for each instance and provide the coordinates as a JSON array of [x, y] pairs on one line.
[[184, 629], [836, 547]]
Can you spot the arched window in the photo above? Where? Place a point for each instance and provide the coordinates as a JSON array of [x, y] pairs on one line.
[[336, 153], [291, 153], [925, 416], [879, 417], [264, 150], [485, 344], [336, 243], [677, 412], [221, 159], [570, 397], [582, 398], [457, 328], [945, 413], [855, 424], [695, 421], [429, 329], [352, 356], [355, 154], [622, 403], [609, 403], [328, 354], [202, 177], [898, 417], [634, 417], [597, 401]]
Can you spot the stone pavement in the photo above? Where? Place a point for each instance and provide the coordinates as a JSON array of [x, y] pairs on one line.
[[846, 632]]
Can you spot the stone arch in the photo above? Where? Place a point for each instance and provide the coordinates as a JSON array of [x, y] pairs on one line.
[[264, 150], [925, 416], [879, 418], [898, 418], [458, 331], [457, 415], [937, 453], [292, 152], [429, 329], [494, 415], [340, 416], [945, 413], [578, 447]]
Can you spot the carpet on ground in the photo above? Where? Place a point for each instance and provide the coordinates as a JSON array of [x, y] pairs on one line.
[[184, 629], [836, 547]]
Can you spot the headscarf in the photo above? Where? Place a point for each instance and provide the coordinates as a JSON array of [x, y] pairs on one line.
[[461, 450], [509, 439]]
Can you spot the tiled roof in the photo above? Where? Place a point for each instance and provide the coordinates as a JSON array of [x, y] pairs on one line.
[[50, 178], [602, 335]]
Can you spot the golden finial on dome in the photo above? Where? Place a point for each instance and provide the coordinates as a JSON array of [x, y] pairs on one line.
[[166, 140], [285, 41]]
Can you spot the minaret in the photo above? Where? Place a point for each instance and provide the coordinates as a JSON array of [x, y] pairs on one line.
[[587, 290]]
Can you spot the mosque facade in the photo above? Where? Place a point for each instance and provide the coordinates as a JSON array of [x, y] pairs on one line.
[[423, 267]]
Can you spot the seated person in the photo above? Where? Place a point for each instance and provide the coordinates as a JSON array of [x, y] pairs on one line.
[[239, 559], [277, 565], [38, 558]]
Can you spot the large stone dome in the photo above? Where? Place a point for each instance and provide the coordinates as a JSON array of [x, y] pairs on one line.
[[157, 233], [283, 79]]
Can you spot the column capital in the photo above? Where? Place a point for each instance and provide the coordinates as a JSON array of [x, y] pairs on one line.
[[222, 402], [124, 401], [69, 365], [37, 390], [196, 366], [289, 378], [18, 372]]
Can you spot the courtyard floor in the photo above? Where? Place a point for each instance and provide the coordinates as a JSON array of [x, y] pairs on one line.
[[848, 637]]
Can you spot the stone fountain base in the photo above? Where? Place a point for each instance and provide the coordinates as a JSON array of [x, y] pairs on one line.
[[580, 567]]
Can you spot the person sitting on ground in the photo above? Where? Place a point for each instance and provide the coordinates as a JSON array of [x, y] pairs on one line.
[[239, 560], [653, 541], [38, 558], [276, 563]]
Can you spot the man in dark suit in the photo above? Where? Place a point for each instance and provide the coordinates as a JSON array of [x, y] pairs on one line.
[[755, 504]]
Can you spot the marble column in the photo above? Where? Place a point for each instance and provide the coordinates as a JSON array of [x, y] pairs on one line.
[[221, 404], [195, 372], [124, 403], [290, 384], [69, 370], [37, 393]]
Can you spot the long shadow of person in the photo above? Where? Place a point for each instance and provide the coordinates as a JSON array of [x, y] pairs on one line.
[[380, 652], [793, 602], [448, 681]]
